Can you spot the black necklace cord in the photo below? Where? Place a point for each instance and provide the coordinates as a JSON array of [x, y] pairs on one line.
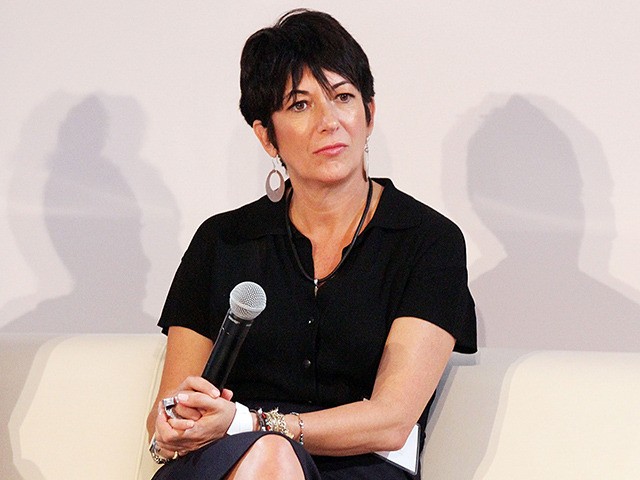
[[319, 281]]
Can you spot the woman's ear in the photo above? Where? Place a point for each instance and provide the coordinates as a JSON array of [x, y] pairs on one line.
[[263, 135], [372, 111]]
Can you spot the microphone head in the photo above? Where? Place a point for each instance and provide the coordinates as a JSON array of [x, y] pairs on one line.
[[247, 300]]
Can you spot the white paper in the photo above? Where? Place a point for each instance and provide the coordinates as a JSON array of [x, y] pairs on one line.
[[407, 456]]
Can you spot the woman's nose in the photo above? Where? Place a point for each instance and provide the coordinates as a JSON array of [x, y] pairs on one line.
[[328, 120]]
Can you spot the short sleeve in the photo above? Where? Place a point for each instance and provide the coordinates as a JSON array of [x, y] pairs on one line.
[[188, 301], [437, 289]]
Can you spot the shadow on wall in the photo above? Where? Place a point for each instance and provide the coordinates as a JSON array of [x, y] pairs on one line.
[[526, 184], [93, 221]]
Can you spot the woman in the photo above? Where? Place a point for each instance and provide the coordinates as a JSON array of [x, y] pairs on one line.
[[367, 288]]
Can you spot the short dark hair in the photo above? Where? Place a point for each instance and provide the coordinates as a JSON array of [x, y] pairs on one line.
[[300, 38]]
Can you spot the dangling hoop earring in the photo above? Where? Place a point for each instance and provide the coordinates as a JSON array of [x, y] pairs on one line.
[[366, 159], [275, 194]]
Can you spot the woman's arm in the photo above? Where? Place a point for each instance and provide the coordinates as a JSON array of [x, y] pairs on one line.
[[414, 357], [204, 412], [187, 353]]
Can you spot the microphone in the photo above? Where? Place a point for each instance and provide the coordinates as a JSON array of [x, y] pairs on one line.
[[246, 301]]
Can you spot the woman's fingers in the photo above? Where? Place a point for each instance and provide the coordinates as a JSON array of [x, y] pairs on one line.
[[227, 394], [171, 434], [201, 385], [185, 434], [194, 400], [203, 414], [184, 410]]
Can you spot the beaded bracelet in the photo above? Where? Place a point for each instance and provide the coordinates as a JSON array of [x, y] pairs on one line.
[[273, 421], [262, 425], [301, 425]]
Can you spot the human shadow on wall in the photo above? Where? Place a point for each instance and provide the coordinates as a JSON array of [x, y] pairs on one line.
[[160, 214], [89, 207], [524, 182], [94, 223]]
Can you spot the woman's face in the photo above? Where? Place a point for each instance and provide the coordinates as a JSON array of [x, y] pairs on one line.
[[321, 135]]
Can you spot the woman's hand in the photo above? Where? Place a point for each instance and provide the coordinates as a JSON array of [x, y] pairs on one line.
[[205, 416]]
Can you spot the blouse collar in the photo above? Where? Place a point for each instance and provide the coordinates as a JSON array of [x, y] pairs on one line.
[[396, 210]]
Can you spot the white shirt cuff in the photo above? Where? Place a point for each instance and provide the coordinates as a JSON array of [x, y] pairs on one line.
[[242, 422]]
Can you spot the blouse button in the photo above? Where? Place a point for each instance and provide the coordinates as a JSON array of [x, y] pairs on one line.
[[306, 363]]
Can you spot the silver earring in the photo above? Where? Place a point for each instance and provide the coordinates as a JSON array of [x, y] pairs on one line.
[[275, 194], [366, 159]]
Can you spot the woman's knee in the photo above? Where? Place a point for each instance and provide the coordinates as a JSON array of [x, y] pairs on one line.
[[270, 457], [275, 447]]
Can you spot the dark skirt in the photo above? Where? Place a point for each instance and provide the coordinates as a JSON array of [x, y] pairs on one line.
[[214, 461]]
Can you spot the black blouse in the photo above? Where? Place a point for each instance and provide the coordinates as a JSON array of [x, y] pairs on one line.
[[322, 351]]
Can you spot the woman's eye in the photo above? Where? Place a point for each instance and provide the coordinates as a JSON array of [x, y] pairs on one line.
[[299, 106], [344, 97]]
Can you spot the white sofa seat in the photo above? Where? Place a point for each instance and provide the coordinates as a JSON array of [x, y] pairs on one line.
[[541, 415], [78, 406], [74, 407]]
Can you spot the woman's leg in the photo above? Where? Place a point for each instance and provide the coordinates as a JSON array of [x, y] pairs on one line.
[[271, 458]]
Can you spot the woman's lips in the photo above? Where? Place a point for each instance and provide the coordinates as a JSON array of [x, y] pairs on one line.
[[331, 150]]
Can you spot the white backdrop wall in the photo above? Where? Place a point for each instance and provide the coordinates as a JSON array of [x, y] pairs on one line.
[[120, 133]]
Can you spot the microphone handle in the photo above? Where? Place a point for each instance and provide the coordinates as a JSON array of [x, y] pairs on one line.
[[225, 350]]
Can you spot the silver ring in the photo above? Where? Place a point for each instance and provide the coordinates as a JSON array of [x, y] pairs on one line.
[[168, 404]]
